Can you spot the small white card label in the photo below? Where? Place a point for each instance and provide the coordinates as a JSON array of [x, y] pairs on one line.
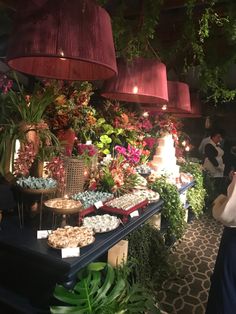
[[43, 234], [134, 214], [88, 142], [70, 252], [98, 204]]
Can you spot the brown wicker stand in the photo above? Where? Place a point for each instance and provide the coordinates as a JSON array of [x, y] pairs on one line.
[[74, 175]]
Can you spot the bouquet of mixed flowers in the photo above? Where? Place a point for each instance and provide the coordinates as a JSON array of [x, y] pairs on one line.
[[117, 175], [168, 124], [70, 107]]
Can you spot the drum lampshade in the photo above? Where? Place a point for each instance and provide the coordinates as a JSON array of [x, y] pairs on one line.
[[68, 40], [140, 81]]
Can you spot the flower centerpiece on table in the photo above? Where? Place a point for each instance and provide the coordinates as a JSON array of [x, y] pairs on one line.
[[116, 175], [56, 168]]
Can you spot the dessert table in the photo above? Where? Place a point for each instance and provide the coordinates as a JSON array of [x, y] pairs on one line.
[[30, 268]]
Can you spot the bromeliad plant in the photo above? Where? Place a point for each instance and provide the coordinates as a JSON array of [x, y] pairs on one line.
[[100, 289]]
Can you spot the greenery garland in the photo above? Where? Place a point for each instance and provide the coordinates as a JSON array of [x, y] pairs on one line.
[[150, 257], [196, 195], [173, 210]]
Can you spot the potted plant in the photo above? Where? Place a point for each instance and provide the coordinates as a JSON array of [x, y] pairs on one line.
[[22, 118]]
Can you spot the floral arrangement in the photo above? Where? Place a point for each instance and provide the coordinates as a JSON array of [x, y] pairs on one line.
[[70, 107], [5, 83], [116, 125], [28, 107], [131, 154], [25, 159], [116, 176], [168, 124], [55, 169], [85, 150]]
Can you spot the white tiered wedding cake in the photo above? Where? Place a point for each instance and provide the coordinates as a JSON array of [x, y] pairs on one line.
[[164, 160]]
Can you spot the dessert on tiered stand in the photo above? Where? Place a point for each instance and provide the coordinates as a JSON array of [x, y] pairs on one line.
[[164, 160]]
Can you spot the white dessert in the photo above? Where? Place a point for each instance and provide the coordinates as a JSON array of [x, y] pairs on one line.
[[164, 160], [101, 223], [71, 237]]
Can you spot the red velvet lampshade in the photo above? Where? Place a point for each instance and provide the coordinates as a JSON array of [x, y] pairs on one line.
[[69, 40], [140, 80]]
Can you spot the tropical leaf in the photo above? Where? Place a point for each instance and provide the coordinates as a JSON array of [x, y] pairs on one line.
[[102, 290], [95, 290]]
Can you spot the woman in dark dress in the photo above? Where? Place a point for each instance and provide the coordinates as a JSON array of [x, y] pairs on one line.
[[222, 294]]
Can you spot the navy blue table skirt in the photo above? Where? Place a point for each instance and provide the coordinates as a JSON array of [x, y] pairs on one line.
[[222, 294], [6, 197]]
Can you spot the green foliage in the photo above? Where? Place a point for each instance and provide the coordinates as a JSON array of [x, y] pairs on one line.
[[132, 35], [103, 290], [173, 209], [196, 195], [203, 45], [116, 125], [152, 259], [29, 109]]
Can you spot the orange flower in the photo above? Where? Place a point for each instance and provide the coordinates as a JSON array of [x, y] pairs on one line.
[[91, 120], [60, 100], [125, 118]]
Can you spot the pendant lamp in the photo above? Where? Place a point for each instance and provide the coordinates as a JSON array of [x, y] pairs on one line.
[[196, 108], [68, 40], [179, 100], [179, 97], [140, 80]]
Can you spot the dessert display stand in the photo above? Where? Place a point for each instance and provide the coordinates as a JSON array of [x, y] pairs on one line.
[[38, 267], [22, 197], [62, 210]]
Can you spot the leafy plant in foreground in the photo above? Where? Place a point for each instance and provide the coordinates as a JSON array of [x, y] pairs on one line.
[[103, 290]]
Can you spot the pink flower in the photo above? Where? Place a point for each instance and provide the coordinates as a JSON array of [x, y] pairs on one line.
[[150, 142], [120, 149], [25, 159]]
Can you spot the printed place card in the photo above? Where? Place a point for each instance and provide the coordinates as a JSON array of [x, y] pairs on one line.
[[134, 214], [70, 252], [98, 204], [43, 234]]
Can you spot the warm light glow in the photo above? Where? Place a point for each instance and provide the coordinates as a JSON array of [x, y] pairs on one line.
[[15, 154], [62, 54], [187, 148], [66, 196], [184, 143], [164, 107], [145, 114], [85, 173], [135, 89]]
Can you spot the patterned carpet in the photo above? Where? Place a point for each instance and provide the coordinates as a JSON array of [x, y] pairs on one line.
[[194, 257]]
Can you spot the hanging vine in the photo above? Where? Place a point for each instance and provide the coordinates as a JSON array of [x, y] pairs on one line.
[[135, 32], [173, 209], [196, 195]]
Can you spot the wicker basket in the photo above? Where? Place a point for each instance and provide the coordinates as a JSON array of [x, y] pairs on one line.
[[74, 175]]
